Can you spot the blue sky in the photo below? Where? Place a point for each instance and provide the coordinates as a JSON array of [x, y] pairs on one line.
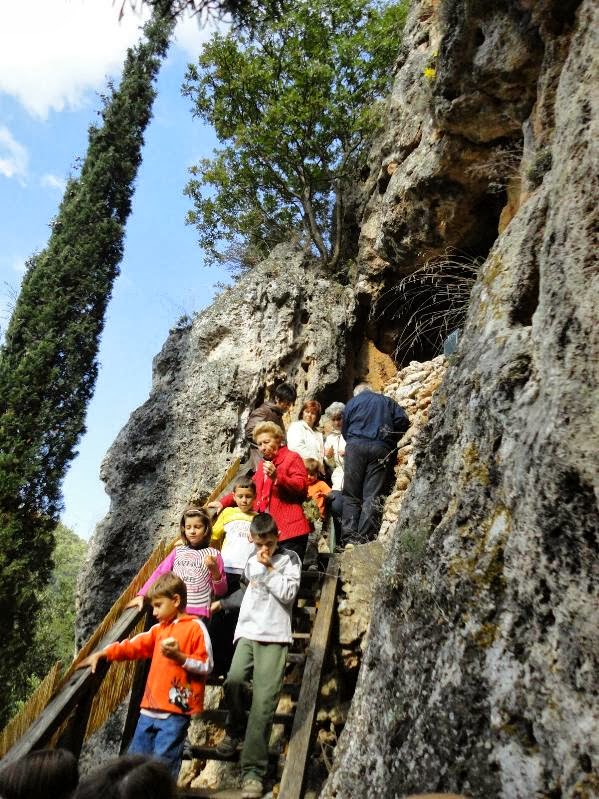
[[54, 58]]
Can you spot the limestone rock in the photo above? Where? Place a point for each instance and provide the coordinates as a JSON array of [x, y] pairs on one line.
[[481, 669], [285, 320]]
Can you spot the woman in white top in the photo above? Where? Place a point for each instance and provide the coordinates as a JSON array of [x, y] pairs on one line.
[[334, 445], [302, 436]]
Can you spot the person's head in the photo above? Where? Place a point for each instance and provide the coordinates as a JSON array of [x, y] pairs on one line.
[[362, 387], [40, 774], [244, 494], [168, 596], [310, 413], [335, 413], [196, 527], [128, 777], [268, 437], [264, 533], [311, 465], [284, 396]]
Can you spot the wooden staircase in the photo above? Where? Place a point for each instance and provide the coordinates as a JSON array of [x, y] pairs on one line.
[[312, 623], [73, 708]]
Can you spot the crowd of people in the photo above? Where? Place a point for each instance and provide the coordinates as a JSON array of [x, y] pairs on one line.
[[223, 597]]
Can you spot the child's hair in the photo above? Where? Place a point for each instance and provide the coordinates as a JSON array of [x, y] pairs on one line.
[[168, 584], [40, 774], [285, 392], [245, 482], [311, 465], [195, 510], [128, 777], [314, 406], [263, 524], [268, 427]]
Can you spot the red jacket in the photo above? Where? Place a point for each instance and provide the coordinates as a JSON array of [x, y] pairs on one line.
[[282, 498]]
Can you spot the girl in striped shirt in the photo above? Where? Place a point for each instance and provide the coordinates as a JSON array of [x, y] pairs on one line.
[[199, 565]]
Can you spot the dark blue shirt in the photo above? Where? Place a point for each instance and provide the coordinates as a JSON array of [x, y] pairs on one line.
[[374, 417]]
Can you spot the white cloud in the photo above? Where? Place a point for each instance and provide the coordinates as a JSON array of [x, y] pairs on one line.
[[13, 156], [193, 31], [54, 52], [50, 181]]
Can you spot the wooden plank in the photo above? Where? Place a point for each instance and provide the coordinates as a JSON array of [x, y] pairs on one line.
[[74, 691], [218, 716], [292, 781]]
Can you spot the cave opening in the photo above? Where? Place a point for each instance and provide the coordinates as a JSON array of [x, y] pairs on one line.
[[414, 314]]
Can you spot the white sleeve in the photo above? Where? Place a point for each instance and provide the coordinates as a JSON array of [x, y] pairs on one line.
[[295, 439], [283, 583]]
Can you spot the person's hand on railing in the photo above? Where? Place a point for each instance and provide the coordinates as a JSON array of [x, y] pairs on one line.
[[215, 505], [136, 602], [91, 661]]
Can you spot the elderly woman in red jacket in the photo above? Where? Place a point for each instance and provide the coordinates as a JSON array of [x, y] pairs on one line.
[[281, 487]]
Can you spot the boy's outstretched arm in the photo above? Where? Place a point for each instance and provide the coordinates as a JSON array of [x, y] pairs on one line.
[[91, 661]]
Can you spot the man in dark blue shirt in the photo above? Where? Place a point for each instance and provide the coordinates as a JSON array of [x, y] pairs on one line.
[[372, 426]]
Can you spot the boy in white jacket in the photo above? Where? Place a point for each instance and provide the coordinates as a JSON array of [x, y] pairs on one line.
[[263, 634]]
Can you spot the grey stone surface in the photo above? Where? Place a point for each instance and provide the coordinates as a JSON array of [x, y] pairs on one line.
[[285, 320], [481, 673]]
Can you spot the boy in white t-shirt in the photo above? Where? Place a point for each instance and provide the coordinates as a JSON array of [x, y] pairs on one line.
[[231, 534], [263, 634]]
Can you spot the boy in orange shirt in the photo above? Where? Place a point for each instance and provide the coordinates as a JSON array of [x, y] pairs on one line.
[[181, 653], [317, 489]]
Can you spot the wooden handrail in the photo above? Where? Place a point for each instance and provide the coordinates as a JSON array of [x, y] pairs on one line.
[[79, 687], [58, 709]]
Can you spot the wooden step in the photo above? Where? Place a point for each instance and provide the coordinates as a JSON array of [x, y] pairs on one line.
[[219, 717], [206, 793], [211, 753]]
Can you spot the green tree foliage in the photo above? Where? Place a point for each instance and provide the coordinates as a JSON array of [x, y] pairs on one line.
[[295, 105], [54, 631], [48, 361], [243, 12]]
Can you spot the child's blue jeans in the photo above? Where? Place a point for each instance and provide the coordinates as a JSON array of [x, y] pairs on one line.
[[162, 738]]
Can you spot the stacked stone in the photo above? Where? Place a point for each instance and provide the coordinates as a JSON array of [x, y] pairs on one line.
[[413, 388]]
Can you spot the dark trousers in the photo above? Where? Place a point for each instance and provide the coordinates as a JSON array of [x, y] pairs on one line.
[[334, 502], [297, 544], [368, 474], [221, 628]]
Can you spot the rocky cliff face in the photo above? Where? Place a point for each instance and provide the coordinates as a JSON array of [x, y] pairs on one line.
[[480, 675], [284, 321]]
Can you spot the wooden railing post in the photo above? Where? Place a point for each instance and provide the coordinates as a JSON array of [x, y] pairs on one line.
[[74, 733], [292, 781]]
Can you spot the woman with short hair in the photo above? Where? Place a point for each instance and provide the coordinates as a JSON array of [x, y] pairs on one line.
[[304, 438]]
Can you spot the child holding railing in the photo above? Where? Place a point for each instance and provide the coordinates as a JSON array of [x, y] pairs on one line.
[[181, 654]]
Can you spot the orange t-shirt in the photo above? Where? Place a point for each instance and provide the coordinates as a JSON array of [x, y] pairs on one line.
[[170, 687], [318, 491]]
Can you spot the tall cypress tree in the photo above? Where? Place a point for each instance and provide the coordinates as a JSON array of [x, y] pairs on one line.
[[48, 362]]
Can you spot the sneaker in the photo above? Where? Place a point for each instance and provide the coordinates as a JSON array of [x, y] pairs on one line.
[[252, 789], [228, 746]]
